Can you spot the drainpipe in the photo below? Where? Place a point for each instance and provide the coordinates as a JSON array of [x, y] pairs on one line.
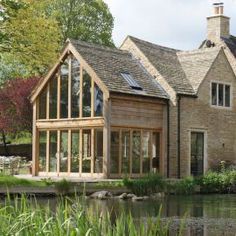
[[168, 139], [178, 138]]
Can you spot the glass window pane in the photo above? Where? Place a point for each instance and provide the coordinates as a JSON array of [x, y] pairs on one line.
[[53, 151], [221, 95], [53, 98], [64, 89], [146, 151], [75, 158], [64, 151], [125, 152], [86, 95], [75, 87], [136, 152], [42, 150], [214, 94], [42, 104], [86, 161], [156, 151], [98, 101], [227, 95], [114, 163], [98, 159]]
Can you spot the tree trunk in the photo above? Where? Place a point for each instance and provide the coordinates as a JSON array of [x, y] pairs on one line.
[[4, 142]]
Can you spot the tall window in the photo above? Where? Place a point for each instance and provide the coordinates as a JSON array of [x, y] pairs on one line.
[[53, 98], [64, 151], [98, 101], [42, 151], [146, 151], [75, 87], [114, 152], [86, 164], [75, 156], [64, 89], [136, 150], [220, 95], [98, 158], [53, 152], [86, 94], [42, 104], [125, 152]]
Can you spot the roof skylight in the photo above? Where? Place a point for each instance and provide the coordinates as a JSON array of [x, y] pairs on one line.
[[131, 81]]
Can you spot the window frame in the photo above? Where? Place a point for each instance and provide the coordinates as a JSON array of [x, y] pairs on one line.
[[217, 94]]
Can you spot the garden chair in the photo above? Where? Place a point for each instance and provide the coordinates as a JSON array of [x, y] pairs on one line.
[[15, 166], [1, 165]]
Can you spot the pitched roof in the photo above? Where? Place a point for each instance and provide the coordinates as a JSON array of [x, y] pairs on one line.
[[109, 63], [231, 43], [197, 63], [167, 63]]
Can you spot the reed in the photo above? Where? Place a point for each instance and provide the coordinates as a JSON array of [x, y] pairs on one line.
[[26, 217]]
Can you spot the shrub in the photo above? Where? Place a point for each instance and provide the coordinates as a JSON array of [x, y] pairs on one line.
[[63, 186], [147, 185], [185, 186]]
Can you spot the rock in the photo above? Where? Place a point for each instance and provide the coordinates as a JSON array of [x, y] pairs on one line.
[[123, 196], [130, 195], [137, 198], [157, 195], [146, 197], [102, 195]]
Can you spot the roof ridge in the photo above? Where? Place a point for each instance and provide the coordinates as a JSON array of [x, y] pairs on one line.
[[200, 50], [97, 46], [154, 44]]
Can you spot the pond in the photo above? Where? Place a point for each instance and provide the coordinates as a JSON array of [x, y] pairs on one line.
[[204, 215]]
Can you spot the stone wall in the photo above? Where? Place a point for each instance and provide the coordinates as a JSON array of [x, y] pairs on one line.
[[219, 124], [24, 150]]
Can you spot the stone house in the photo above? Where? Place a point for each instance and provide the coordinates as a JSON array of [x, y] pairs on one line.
[[109, 113]]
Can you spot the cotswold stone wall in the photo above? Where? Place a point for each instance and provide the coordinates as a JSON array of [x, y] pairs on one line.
[[219, 124]]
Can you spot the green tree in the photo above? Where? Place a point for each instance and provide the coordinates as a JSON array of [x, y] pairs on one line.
[[88, 20]]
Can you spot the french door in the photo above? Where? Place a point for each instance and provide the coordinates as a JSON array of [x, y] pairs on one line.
[[197, 153]]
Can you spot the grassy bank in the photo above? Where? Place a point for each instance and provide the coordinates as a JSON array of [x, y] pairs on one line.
[[25, 217]]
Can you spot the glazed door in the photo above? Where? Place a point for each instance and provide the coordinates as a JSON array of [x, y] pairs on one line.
[[197, 153]]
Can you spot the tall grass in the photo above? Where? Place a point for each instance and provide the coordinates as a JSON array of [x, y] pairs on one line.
[[24, 217]]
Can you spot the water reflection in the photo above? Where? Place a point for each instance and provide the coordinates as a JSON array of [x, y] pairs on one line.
[[204, 215]]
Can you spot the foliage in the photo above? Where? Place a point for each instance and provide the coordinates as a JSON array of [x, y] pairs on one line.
[[15, 107], [26, 217], [32, 39], [184, 186], [11, 181], [147, 185], [19, 138], [87, 20], [63, 186]]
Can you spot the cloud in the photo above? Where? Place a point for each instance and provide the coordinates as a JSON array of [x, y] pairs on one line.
[[174, 23]]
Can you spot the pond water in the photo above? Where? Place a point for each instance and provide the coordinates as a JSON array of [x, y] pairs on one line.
[[204, 215]]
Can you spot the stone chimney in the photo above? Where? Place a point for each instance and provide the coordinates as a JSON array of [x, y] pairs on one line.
[[218, 25]]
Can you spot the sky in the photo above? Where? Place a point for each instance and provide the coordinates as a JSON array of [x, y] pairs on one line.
[[179, 24]]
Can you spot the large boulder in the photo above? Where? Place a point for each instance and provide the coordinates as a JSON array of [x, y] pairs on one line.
[[102, 195]]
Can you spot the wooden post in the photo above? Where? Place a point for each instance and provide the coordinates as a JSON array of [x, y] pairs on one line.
[[120, 152], [58, 151], [92, 150], [48, 152], [58, 97], [69, 89], [81, 93], [131, 153], [141, 152], [92, 98], [106, 138], [35, 142], [80, 151], [69, 152], [48, 102]]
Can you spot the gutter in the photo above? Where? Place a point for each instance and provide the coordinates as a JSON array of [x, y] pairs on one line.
[[168, 138], [178, 134]]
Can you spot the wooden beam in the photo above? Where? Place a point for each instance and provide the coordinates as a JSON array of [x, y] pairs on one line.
[[48, 152], [69, 89], [92, 98], [131, 153], [92, 150], [48, 102], [141, 152], [34, 142], [120, 152], [81, 93], [58, 96], [80, 151], [58, 151], [69, 152], [73, 123]]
